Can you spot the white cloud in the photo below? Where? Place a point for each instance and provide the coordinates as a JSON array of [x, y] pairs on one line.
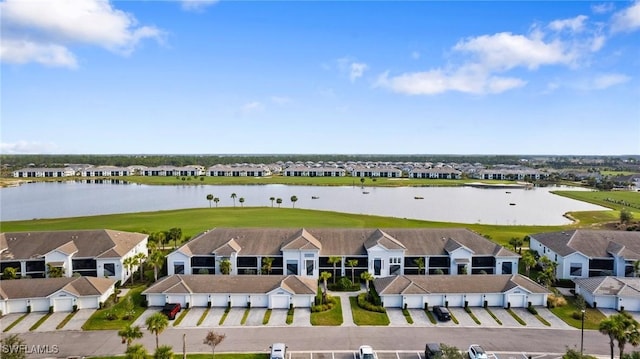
[[415, 55], [252, 107], [357, 69], [61, 23], [196, 5], [280, 100], [24, 51], [608, 80], [627, 20], [602, 8], [575, 24], [26, 147]]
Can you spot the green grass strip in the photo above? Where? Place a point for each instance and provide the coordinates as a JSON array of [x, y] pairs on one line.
[[203, 316], [542, 320], [40, 321], [290, 316], [365, 317], [473, 316], [331, 317], [453, 317], [66, 320], [224, 316], [493, 315], [180, 317], [267, 317], [432, 319], [245, 316], [516, 317], [407, 316], [15, 322]]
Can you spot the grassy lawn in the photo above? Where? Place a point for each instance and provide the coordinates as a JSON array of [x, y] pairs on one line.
[[592, 317], [329, 317], [609, 199], [365, 317], [98, 320]]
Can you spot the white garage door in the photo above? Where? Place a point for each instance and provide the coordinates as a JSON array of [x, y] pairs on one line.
[[432, 300], [517, 300], [40, 305], [392, 301], [87, 303], [631, 304], [414, 301], [303, 301], [199, 300], [280, 302], [219, 300], [239, 300], [455, 300], [606, 302], [475, 300], [155, 300], [17, 306], [181, 298], [62, 305], [259, 301]]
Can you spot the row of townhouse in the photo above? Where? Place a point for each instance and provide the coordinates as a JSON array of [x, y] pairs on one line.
[[308, 252], [159, 171]]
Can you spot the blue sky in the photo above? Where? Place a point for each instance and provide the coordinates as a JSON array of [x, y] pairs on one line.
[[414, 77]]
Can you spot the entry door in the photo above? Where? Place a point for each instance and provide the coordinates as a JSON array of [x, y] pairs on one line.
[[377, 266]]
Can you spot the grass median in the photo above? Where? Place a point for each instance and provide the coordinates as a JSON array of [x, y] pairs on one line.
[[366, 317]]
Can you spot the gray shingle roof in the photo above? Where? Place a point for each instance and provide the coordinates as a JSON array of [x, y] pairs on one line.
[[101, 243], [592, 243], [250, 284], [43, 287], [442, 284], [343, 241], [622, 286]]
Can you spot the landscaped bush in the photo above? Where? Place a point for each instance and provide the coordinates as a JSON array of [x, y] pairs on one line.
[[344, 284], [365, 304], [331, 302], [532, 310], [554, 301]]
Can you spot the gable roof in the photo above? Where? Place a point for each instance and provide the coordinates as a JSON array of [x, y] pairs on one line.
[[226, 249], [250, 284], [617, 286], [592, 243], [100, 243], [44, 287], [343, 241], [443, 284]]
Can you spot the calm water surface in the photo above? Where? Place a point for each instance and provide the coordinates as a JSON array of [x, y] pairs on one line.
[[448, 204]]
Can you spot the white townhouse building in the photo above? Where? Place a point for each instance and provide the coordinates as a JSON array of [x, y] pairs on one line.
[[106, 171], [376, 171], [306, 252], [321, 171], [170, 171], [584, 253], [238, 171], [95, 253], [619, 293], [435, 173], [32, 172]]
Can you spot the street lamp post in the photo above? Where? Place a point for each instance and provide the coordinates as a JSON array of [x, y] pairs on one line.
[[582, 335]]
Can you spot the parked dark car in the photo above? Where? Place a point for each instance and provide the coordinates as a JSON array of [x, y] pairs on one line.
[[171, 309], [442, 313], [432, 351]]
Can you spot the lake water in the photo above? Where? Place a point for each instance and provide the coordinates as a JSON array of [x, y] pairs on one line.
[[515, 206]]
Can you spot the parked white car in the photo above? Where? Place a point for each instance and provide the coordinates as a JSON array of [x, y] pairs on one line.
[[477, 352], [366, 352]]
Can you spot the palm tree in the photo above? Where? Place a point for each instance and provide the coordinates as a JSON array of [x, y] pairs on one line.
[[324, 276], [517, 244], [630, 332], [140, 257], [272, 199], [216, 200], [294, 199], [156, 260], [136, 351], [233, 197], [529, 260], [241, 200], [163, 352], [209, 198], [352, 263], [225, 266], [129, 333], [362, 182], [367, 277], [334, 260], [279, 202], [156, 324], [267, 263], [175, 234], [420, 263], [636, 268], [213, 339], [128, 264]]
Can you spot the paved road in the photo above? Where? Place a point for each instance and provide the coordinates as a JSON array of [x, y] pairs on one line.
[[256, 339]]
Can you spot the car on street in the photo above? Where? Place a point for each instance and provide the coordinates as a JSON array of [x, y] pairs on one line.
[[171, 310], [477, 352], [366, 352], [278, 351], [442, 313], [432, 351]]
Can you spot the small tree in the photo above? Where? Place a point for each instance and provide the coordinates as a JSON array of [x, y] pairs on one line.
[[324, 276], [366, 277], [140, 257], [267, 264], [272, 199], [136, 351], [54, 272], [17, 345], [352, 263], [233, 197], [334, 260], [279, 202], [216, 200], [241, 200], [625, 216], [129, 334], [529, 260], [163, 352], [156, 324], [209, 198], [294, 199], [517, 244], [419, 262], [213, 339], [225, 266], [451, 352], [9, 273], [156, 260]]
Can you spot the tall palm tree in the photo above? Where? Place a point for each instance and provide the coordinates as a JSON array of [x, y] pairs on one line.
[[420, 263], [225, 266], [352, 263], [334, 260], [630, 333], [241, 200], [156, 324], [294, 199], [279, 202], [272, 199], [324, 276], [140, 257], [175, 234], [216, 200], [136, 351], [233, 197], [163, 352], [129, 334], [267, 264], [529, 260], [128, 264], [156, 260], [367, 277], [209, 198]]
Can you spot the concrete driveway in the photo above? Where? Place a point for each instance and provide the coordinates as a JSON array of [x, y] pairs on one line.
[[302, 317], [192, 318], [27, 322], [278, 317], [52, 322], [78, 320]]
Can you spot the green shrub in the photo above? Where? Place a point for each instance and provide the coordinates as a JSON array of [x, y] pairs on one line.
[[365, 304], [532, 310]]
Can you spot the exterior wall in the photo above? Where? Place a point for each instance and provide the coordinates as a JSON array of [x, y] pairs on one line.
[[57, 256], [301, 257], [118, 267], [500, 261], [175, 257], [384, 255], [40, 304], [565, 264], [463, 256]]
